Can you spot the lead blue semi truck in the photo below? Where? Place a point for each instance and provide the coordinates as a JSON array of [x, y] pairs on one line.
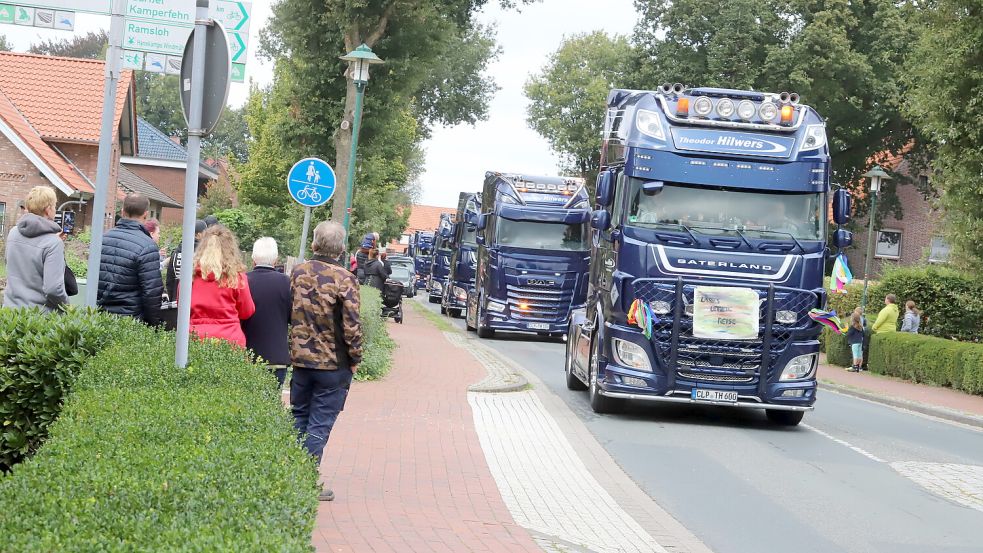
[[708, 249], [532, 237], [440, 265], [464, 256]]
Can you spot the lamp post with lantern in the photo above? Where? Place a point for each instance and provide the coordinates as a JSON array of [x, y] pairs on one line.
[[876, 175], [359, 61]]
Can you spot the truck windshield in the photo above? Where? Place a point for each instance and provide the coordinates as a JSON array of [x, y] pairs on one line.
[[719, 210], [540, 236], [468, 235]]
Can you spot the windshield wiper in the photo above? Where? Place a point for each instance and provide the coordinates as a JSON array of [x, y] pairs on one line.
[[725, 229], [684, 228], [789, 234]]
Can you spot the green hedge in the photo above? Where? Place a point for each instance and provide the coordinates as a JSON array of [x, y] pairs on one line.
[[40, 357], [378, 347], [951, 302], [929, 360], [146, 457]]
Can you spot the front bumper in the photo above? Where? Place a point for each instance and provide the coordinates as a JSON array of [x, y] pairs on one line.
[[502, 322]]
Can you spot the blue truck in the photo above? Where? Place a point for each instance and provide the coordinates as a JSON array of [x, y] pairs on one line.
[[440, 265], [464, 256], [421, 250], [533, 242], [708, 248]]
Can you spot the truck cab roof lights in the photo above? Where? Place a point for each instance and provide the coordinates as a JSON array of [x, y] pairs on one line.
[[788, 112], [745, 110], [702, 106], [768, 112], [725, 108], [649, 123], [682, 107]]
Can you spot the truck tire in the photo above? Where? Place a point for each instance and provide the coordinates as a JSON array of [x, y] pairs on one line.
[[598, 403], [784, 418], [443, 310], [483, 331], [573, 383]]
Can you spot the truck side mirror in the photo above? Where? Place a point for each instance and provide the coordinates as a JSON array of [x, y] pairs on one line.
[[841, 207], [480, 238], [842, 238], [605, 189], [600, 220], [652, 187], [482, 221]]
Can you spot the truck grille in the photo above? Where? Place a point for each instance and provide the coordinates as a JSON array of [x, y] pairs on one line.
[[538, 304]]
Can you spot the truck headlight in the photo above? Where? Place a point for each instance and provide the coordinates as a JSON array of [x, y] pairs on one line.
[[815, 138], [650, 124], [799, 368], [460, 293], [631, 355], [496, 307], [436, 287]]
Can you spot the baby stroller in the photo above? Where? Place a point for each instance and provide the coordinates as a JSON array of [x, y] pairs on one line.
[[392, 300]]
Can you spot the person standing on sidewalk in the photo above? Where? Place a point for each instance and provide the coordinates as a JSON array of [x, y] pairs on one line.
[[887, 319], [129, 269], [220, 297], [912, 318], [325, 340], [855, 337], [35, 255], [266, 330], [174, 262]]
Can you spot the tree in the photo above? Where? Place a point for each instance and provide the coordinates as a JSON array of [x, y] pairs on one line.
[[91, 45], [568, 98], [844, 58], [5, 45], [230, 139], [944, 101], [159, 103]]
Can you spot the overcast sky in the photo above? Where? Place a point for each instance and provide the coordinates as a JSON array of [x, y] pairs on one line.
[[457, 157]]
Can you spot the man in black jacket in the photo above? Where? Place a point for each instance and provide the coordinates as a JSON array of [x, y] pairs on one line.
[[129, 269], [266, 330], [174, 263]]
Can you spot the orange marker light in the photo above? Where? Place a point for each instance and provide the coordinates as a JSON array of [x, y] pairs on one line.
[[523, 306], [682, 107], [787, 112]]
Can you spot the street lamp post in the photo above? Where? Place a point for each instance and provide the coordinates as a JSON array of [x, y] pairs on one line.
[[876, 175], [359, 61]]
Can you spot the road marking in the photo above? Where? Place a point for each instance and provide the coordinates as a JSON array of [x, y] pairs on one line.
[[859, 450]]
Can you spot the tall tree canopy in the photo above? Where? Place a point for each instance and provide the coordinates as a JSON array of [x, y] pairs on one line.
[[946, 78], [568, 98], [844, 58], [91, 45]]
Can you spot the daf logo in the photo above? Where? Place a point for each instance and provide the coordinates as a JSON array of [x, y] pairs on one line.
[[540, 282]]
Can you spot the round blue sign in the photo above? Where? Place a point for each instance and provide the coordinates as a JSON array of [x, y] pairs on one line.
[[311, 182]]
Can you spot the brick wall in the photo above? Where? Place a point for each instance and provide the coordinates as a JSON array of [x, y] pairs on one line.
[[86, 159], [17, 176], [920, 223]]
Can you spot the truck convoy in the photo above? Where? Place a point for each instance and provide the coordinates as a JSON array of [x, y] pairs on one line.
[[533, 242], [421, 250], [707, 254], [441, 262], [464, 256]]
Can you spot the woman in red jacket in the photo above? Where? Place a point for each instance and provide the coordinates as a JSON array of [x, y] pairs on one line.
[[220, 297]]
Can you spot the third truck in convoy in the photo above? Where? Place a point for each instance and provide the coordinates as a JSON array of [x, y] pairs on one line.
[[533, 243], [708, 249], [440, 263], [464, 255]]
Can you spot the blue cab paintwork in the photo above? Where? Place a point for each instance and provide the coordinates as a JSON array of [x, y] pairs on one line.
[[421, 250], [464, 256], [441, 264]]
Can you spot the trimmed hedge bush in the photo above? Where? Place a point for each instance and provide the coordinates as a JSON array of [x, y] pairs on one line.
[[40, 356], [377, 349], [147, 457], [951, 302], [929, 360]]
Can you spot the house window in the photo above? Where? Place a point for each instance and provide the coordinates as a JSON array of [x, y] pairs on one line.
[[888, 244], [939, 252], [404, 239]]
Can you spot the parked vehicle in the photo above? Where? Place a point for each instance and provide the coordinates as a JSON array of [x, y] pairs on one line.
[[710, 232], [464, 256], [403, 273], [532, 238]]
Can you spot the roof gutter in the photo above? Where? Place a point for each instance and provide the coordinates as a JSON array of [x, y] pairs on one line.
[[77, 170], [35, 159]]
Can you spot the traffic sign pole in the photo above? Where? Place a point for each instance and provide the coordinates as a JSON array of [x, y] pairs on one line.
[[356, 125], [303, 233], [191, 185], [105, 156]]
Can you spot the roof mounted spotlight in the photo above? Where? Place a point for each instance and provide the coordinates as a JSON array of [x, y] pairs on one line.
[[678, 88], [793, 98], [745, 110]]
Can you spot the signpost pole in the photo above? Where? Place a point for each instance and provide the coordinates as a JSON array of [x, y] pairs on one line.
[[191, 184], [303, 234], [104, 161], [356, 125]]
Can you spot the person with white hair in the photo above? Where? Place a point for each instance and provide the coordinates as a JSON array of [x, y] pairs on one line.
[[266, 330]]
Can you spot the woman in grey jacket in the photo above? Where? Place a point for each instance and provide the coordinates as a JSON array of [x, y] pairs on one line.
[[36, 256]]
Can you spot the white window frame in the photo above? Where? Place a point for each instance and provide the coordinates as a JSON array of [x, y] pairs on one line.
[[877, 241], [930, 249]]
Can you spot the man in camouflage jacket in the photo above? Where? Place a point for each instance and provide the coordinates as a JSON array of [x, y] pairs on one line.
[[325, 339]]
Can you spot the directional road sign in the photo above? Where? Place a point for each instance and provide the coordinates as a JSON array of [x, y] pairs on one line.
[[104, 7], [23, 15], [7, 13], [238, 72], [177, 12], [311, 182], [234, 15], [148, 36]]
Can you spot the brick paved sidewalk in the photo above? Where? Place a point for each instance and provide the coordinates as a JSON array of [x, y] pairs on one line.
[[405, 462], [934, 396]]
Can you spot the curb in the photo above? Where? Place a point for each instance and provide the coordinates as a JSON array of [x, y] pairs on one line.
[[930, 410]]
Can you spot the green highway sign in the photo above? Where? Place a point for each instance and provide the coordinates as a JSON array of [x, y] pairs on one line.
[[6, 13], [104, 7], [238, 72], [175, 12], [147, 36], [235, 16]]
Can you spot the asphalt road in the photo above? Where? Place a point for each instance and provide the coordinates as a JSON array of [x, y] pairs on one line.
[[855, 476]]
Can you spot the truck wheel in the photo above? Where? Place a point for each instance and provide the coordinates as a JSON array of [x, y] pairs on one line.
[[483, 331], [573, 383], [598, 403], [432, 299], [454, 313], [443, 310], [784, 418]]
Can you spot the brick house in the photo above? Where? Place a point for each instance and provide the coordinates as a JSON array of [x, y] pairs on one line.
[[50, 115], [914, 239], [422, 217], [161, 161]]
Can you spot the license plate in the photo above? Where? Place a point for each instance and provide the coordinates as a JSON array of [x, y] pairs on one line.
[[714, 395], [538, 326]]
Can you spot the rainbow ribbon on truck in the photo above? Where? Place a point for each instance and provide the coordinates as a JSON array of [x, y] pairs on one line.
[[641, 315]]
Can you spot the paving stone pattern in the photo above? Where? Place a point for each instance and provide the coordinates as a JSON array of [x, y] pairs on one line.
[[501, 377], [962, 484]]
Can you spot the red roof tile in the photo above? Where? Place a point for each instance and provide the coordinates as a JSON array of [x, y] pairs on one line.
[[60, 97], [426, 217], [19, 124]]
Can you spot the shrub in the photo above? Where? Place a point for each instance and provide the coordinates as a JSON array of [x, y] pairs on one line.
[[41, 355], [147, 457], [951, 302], [838, 351], [928, 359], [377, 349]]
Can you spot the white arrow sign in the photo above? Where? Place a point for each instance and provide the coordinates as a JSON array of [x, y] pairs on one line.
[[235, 16]]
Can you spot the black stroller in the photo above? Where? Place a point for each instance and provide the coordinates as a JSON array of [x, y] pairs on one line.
[[392, 300]]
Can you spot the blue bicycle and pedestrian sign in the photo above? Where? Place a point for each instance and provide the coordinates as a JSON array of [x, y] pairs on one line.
[[311, 182]]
